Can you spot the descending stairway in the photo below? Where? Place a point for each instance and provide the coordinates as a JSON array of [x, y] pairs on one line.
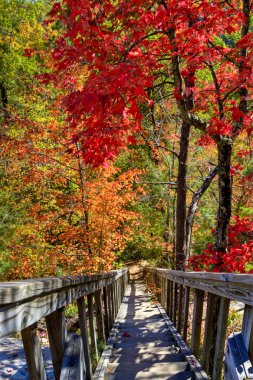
[[145, 345]]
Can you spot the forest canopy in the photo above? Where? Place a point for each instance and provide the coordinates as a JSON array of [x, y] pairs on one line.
[[126, 134]]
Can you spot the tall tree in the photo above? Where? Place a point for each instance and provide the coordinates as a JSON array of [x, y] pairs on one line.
[[127, 48]]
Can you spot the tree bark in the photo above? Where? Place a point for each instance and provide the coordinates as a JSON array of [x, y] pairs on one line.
[[225, 195], [4, 101], [181, 198], [193, 207]]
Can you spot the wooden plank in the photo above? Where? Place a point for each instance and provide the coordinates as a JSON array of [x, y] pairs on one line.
[[100, 316], [220, 338], [247, 330], [33, 353], [164, 292], [73, 367], [22, 315], [186, 312], [175, 301], [56, 328], [84, 336], [237, 287], [180, 308], [171, 300], [109, 289], [93, 336], [21, 291], [168, 300], [113, 303], [197, 321], [212, 313], [237, 364], [106, 308]]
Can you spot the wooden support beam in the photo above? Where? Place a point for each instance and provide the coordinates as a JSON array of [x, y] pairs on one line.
[[100, 316], [175, 303], [168, 300], [84, 336], [212, 313], [110, 309], [197, 321], [106, 307], [180, 308], [113, 303], [247, 330], [33, 353], [73, 367], [164, 292], [220, 338], [56, 328], [171, 300], [186, 312], [93, 336]]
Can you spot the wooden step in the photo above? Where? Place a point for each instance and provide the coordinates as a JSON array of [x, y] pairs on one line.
[[144, 344], [139, 331], [167, 368], [148, 357], [146, 350], [148, 376], [146, 339]]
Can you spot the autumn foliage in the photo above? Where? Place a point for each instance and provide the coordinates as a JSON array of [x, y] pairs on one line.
[[94, 110]]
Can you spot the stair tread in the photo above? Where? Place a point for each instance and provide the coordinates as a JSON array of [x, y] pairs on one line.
[[148, 357], [147, 375], [173, 367], [144, 350]]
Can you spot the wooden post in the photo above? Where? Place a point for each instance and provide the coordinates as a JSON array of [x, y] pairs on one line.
[[33, 353], [220, 338], [118, 295], [186, 311], [114, 301], [175, 304], [171, 300], [109, 289], [164, 293], [180, 308], [93, 336], [212, 312], [56, 328], [106, 307], [100, 316], [168, 300], [247, 330], [197, 321], [84, 336]]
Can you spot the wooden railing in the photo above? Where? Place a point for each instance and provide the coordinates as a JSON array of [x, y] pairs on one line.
[[211, 294], [24, 303]]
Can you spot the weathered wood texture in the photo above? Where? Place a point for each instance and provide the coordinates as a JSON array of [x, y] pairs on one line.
[[33, 353], [57, 337], [237, 364], [84, 336], [24, 303], [29, 307], [237, 287], [219, 288]]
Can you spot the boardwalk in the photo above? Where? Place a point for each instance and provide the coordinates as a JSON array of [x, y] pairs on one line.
[[144, 344]]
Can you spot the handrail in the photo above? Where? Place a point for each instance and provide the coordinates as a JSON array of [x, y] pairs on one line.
[[24, 303], [212, 295]]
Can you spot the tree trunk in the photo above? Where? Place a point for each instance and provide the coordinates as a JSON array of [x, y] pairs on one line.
[[181, 198], [225, 196], [4, 101], [193, 207]]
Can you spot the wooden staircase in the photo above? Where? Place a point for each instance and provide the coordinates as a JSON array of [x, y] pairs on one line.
[[144, 344]]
